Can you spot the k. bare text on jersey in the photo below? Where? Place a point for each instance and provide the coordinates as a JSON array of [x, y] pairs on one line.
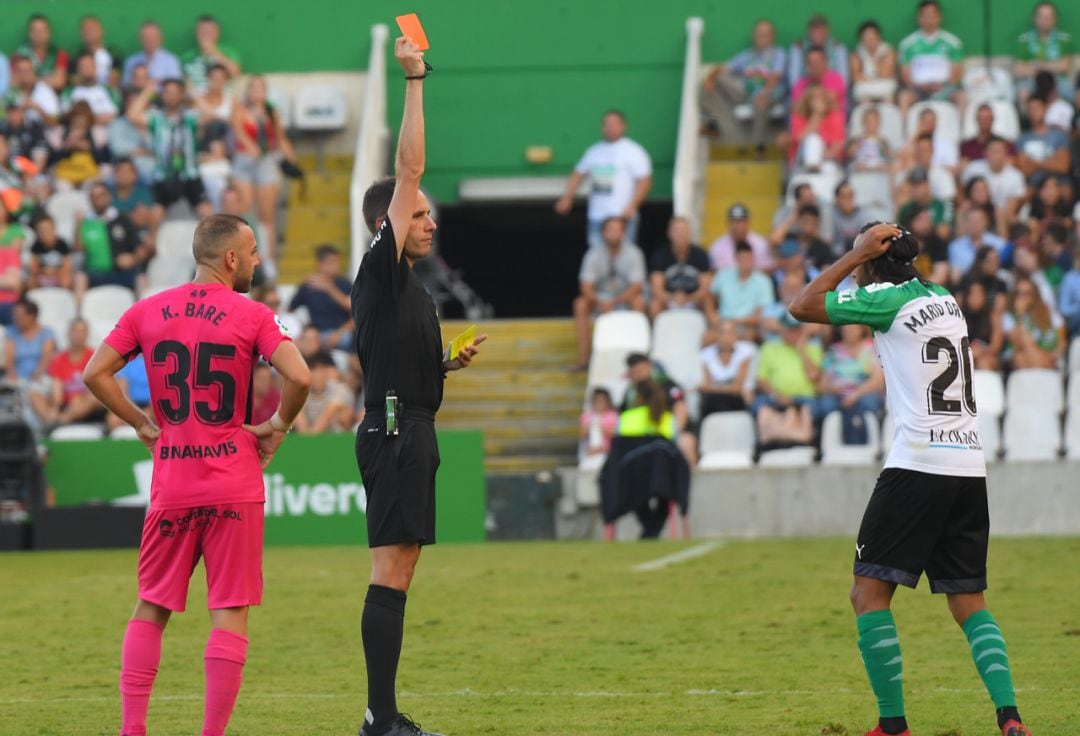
[[207, 312]]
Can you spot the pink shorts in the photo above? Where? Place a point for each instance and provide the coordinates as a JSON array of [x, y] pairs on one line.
[[228, 537]]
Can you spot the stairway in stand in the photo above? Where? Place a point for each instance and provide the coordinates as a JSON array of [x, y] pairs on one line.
[[317, 213], [734, 175], [519, 393]]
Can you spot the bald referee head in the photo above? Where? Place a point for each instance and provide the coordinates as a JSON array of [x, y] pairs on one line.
[[224, 245], [421, 226]]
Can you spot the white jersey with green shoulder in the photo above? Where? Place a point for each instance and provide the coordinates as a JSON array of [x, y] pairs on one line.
[[922, 341]]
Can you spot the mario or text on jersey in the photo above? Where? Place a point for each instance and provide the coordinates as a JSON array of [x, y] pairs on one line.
[[931, 312]]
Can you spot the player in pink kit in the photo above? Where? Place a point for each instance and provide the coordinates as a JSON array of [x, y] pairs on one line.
[[201, 342]]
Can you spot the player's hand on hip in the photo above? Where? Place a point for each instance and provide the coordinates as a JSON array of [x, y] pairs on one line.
[[875, 241], [409, 56], [148, 433], [269, 440]]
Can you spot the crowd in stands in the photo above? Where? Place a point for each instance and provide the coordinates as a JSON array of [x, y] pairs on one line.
[[983, 166], [99, 154]]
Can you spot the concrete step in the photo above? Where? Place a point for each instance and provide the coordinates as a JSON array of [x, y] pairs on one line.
[[522, 464], [315, 223], [325, 188]]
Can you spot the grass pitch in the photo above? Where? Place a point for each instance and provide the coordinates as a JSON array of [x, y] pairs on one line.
[[549, 638]]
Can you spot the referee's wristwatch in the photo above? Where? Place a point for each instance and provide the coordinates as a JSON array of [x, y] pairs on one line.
[[278, 424]]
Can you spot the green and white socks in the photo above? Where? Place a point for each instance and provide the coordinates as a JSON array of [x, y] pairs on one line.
[[991, 660], [879, 643]]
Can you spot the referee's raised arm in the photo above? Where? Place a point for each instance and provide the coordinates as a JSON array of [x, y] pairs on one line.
[[409, 163]]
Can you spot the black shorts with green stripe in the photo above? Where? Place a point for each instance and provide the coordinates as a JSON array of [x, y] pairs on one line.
[[920, 522]]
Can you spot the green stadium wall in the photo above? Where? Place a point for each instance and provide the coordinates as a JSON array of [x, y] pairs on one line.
[[513, 74]]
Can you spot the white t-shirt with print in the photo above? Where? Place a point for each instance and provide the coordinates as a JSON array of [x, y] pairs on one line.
[[613, 169], [1004, 185]]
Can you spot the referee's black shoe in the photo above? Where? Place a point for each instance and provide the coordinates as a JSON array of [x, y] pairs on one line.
[[402, 726]]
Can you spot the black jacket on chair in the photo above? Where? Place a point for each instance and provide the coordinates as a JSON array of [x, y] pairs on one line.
[[643, 475]]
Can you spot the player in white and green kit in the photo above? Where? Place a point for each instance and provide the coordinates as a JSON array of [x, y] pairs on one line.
[[928, 512]]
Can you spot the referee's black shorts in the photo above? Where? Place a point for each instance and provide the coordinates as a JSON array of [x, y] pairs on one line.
[[399, 477], [918, 522]]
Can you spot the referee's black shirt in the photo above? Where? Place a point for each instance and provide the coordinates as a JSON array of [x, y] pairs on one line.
[[397, 329]]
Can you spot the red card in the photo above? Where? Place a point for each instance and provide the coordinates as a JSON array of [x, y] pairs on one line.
[[412, 30]]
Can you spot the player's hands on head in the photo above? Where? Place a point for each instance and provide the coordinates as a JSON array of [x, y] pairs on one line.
[[875, 241], [409, 56], [269, 440], [148, 433], [464, 358]]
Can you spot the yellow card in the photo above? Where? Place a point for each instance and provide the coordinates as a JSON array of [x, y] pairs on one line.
[[462, 340]]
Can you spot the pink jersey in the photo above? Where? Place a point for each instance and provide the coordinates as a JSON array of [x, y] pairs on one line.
[[201, 343]]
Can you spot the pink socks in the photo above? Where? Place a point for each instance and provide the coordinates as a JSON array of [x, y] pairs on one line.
[[138, 668], [225, 655]]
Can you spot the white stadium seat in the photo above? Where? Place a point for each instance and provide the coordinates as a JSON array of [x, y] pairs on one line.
[[792, 457], [989, 393], [588, 481], [1034, 388], [286, 292], [835, 452], [1072, 434], [677, 344], [56, 310], [608, 368], [102, 307], [165, 273], [948, 119], [77, 432], [1074, 355], [823, 184], [124, 432], [627, 330], [983, 84], [873, 190], [63, 207], [174, 239], [892, 123], [1031, 434], [319, 107], [1006, 120], [727, 441]]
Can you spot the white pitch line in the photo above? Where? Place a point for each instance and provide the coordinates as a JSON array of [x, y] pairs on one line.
[[677, 557], [499, 694]]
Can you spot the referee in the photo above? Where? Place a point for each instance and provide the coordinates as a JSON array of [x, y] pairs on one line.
[[400, 348]]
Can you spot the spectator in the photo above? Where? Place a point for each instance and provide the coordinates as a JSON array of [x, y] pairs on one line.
[[817, 132], [1036, 334], [846, 219], [930, 61], [869, 151], [817, 35], [69, 400], [945, 151], [1042, 48], [161, 64], [754, 79], [50, 63], [23, 136], [269, 296], [12, 239], [107, 62], [1069, 297], [136, 386], [113, 251], [173, 137], [233, 204], [933, 259], [87, 88], [599, 423], [38, 99], [974, 148], [1004, 181], [641, 372], [818, 74], [788, 287], [261, 146], [29, 349], [963, 249], [50, 257], [790, 259], [620, 173], [743, 293], [215, 170], [207, 53], [130, 196], [679, 272], [309, 342], [984, 325], [329, 405], [1043, 151], [726, 363], [265, 393], [325, 295], [788, 370], [807, 236], [78, 159], [987, 271], [850, 379], [138, 82], [919, 194], [612, 277], [873, 66], [977, 196], [942, 183], [129, 141], [1059, 112], [215, 105], [722, 252], [1026, 264], [1055, 253], [787, 215], [1049, 207]]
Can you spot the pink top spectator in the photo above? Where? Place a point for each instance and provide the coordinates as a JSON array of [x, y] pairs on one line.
[[722, 252], [599, 437], [831, 130], [201, 342], [833, 82]]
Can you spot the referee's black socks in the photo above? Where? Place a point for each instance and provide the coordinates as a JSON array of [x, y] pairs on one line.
[[381, 628]]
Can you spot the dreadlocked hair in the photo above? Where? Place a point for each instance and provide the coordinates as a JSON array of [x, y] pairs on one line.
[[897, 264]]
